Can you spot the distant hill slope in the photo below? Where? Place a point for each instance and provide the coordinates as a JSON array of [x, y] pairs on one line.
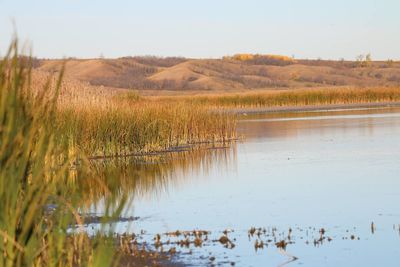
[[230, 73]]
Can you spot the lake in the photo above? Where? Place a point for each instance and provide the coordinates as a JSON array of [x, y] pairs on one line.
[[326, 183]]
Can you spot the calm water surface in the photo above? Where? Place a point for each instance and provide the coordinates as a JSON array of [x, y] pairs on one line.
[[334, 170]]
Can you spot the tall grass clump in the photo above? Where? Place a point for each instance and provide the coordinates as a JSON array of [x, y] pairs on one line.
[[39, 200], [131, 125]]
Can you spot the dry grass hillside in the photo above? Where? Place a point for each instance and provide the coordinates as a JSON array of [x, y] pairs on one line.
[[239, 72]]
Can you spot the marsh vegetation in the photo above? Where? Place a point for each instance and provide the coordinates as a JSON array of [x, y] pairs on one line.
[[297, 97], [48, 183], [74, 154]]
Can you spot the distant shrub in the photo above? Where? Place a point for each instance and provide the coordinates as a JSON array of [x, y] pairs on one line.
[[388, 64], [243, 57], [394, 78], [263, 72], [159, 61], [364, 60], [258, 59]]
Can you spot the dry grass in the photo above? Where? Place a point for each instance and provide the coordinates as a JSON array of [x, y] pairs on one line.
[[122, 128], [102, 122], [297, 97]]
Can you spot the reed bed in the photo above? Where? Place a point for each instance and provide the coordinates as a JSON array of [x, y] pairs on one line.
[[102, 121], [299, 97], [121, 128]]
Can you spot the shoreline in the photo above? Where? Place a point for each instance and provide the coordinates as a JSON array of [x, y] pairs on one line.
[[280, 109]]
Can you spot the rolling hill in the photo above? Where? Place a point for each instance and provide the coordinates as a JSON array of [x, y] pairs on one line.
[[240, 72]]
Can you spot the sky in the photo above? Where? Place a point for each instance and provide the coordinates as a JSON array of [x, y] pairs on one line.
[[324, 29]]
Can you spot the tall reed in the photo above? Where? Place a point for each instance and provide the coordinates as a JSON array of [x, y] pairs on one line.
[[123, 126], [39, 200], [298, 97]]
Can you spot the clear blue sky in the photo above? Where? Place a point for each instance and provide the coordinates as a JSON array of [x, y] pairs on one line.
[[207, 28]]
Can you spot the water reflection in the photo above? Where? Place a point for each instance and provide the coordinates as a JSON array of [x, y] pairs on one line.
[[333, 170], [337, 171], [294, 124], [151, 176]]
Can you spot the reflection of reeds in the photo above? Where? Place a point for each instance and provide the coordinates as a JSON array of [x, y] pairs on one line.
[[149, 176]]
